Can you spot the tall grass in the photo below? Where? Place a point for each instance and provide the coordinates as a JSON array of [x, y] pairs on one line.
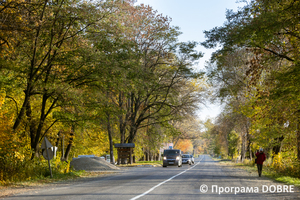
[[17, 170]]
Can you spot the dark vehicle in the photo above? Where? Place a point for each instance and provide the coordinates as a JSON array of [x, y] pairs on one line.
[[172, 157], [186, 159]]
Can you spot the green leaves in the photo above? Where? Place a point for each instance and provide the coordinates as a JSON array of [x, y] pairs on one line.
[[88, 70], [256, 69]]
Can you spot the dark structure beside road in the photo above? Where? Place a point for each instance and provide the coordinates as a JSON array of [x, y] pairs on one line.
[[125, 151]]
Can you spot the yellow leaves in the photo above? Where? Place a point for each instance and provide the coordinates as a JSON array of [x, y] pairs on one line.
[[277, 162], [88, 142], [199, 84], [19, 156], [2, 98]]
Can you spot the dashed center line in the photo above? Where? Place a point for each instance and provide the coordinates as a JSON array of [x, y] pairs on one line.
[[141, 195]]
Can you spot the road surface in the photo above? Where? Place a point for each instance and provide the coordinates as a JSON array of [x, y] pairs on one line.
[[206, 179]]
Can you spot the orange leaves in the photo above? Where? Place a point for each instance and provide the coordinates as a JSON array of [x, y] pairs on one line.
[[184, 145]]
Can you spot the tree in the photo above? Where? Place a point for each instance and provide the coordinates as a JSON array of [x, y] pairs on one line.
[[268, 31], [47, 58], [158, 74], [185, 145], [114, 60], [188, 128], [233, 140]]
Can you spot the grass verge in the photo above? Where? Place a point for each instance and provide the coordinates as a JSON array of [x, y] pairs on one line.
[[143, 163]]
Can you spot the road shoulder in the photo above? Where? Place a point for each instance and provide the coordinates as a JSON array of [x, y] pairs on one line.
[[6, 191], [233, 170]]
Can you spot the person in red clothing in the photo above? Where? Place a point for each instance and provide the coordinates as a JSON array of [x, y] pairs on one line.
[[261, 157]]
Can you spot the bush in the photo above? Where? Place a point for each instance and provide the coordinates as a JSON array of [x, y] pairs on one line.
[[16, 170]]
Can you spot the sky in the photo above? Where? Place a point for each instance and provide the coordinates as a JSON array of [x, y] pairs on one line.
[[193, 17]]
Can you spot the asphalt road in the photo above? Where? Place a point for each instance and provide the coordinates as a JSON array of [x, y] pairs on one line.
[[214, 181]]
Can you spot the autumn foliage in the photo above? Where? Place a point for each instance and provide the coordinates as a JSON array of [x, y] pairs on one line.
[[86, 75], [257, 75], [184, 145]]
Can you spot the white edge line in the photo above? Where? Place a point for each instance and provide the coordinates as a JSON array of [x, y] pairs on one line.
[[139, 196]]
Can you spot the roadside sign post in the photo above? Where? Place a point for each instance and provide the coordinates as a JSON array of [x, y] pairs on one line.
[[49, 155]]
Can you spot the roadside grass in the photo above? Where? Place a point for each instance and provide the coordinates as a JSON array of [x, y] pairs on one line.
[[142, 163], [72, 175], [269, 172], [147, 162], [216, 159]]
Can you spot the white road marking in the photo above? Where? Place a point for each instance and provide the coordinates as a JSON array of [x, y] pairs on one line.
[[141, 195]]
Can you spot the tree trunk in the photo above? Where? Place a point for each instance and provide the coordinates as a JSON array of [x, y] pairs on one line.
[[277, 146], [111, 147], [70, 144], [32, 131], [148, 155], [132, 133], [58, 139], [41, 122], [122, 120], [122, 128], [23, 108], [36, 126], [249, 147], [248, 141], [250, 152], [243, 150], [159, 156], [298, 142]]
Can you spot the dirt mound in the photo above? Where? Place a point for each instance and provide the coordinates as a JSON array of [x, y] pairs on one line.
[[92, 164]]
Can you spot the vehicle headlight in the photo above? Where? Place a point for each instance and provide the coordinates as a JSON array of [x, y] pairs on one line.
[[165, 158], [177, 158]]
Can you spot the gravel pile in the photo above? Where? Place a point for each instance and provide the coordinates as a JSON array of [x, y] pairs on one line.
[[92, 164]]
